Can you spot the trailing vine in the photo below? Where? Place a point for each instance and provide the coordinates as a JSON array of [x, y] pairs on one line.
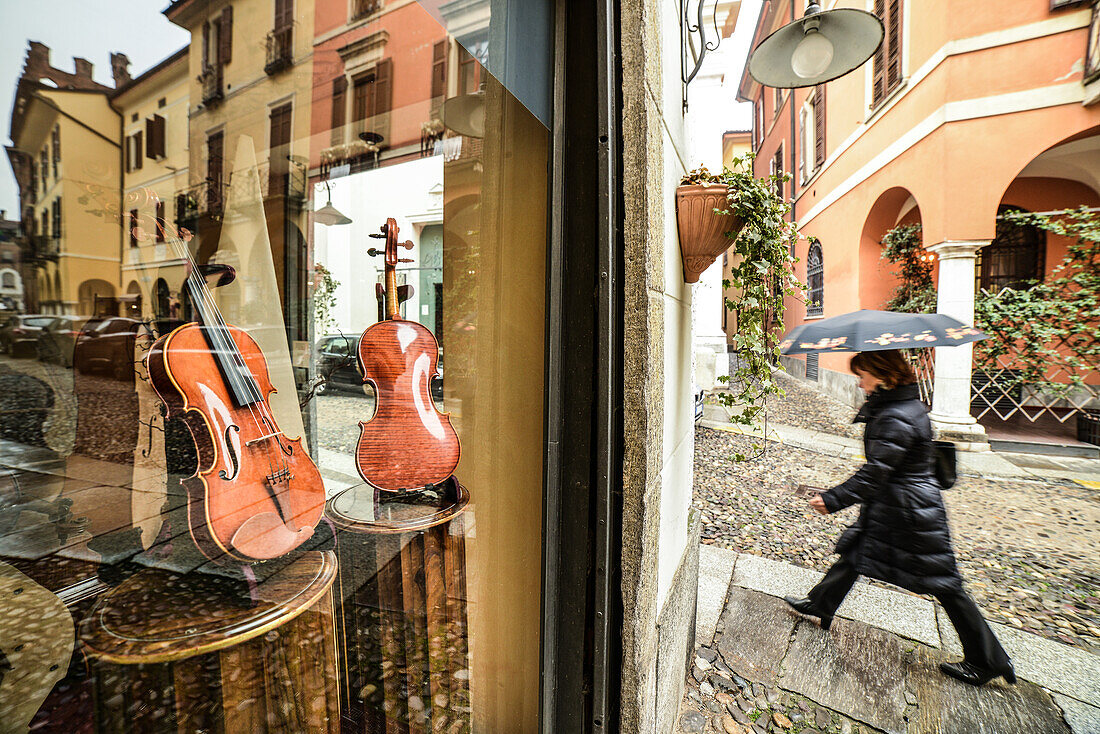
[[324, 299], [762, 276], [1055, 323], [916, 293]]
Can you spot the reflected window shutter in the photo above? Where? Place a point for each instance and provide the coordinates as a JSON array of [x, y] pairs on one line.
[[339, 108], [138, 146], [150, 138], [129, 154], [205, 45], [439, 69], [162, 129], [225, 36], [383, 86], [819, 125]]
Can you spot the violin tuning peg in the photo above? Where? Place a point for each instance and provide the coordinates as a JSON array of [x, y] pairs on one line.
[[407, 244], [405, 260], [375, 252], [377, 236]]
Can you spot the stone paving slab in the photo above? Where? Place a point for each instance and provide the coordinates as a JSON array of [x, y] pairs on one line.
[[853, 668], [754, 631], [947, 706], [715, 572], [1082, 718], [1062, 668], [904, 614]]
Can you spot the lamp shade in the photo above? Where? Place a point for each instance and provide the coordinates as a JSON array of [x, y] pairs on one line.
[[329, 215], [817, 48], [465, 114]]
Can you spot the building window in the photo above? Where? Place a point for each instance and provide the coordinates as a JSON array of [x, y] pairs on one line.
[[758, 125], [55, 209], [9, 279], [44, 165], [372, 94], [815, 281], [886, 66], [135, 151], [214, 170], [777, 170], [1014, 259], [469, 72], [56, 148], [811, 134], [363, 8]]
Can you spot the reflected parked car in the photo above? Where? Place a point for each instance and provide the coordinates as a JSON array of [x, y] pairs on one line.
[[57, 339], [19, 337], [337, 361], [107, 345]]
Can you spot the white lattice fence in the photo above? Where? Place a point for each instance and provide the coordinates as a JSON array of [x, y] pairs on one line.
[[1002, 391]]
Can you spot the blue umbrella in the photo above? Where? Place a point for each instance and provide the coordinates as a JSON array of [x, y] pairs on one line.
[[872, 331]]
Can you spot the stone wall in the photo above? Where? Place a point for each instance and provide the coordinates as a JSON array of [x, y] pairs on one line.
[[660, 548]]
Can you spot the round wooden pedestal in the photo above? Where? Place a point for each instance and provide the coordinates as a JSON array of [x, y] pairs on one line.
[[401, 596], [181, 653]]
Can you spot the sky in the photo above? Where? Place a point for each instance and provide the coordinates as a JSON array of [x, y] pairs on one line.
[[91, 29]]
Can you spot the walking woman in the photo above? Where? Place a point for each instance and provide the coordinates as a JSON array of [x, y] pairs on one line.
[[901, 536]]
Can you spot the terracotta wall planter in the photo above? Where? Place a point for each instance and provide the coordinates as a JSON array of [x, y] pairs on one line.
[[704, 235]]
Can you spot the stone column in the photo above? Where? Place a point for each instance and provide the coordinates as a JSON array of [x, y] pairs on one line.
[[951, 417]]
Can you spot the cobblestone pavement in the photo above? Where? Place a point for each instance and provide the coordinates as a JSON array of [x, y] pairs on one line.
[[1028, 550]]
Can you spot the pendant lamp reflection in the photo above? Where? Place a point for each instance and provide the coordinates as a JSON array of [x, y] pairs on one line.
[[465, 114], [820, 47], [329, 215]]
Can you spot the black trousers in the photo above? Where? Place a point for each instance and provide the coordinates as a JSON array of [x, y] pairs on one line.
[[980, 646]]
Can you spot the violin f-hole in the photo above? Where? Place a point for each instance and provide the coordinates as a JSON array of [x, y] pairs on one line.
[[231, 453]]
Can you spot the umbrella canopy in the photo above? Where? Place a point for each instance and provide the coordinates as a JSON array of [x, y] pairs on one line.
[[872, 331]]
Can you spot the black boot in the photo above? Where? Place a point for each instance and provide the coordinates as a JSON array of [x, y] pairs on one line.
[[805, 606], [976, 676]]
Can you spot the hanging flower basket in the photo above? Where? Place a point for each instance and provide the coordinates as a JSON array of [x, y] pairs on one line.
[[704, 233]]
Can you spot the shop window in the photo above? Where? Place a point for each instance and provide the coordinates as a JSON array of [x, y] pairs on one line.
[[815, 281], [1014, 259], [886, 62]]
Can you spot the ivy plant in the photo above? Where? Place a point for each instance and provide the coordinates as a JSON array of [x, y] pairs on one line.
[[916, 293], [1054, 324], [762, 276], [324, 299]]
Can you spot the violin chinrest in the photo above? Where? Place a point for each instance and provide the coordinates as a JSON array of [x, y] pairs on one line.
[[265, 536]]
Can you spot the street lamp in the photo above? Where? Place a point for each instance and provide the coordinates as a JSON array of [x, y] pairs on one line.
[[819, 47], [329, 215]]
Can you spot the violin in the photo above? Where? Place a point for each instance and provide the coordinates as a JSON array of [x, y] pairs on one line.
[[408, 444], [256, 494]]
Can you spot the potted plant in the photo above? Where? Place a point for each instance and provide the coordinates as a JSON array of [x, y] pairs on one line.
[[736, 211], [707, 226]]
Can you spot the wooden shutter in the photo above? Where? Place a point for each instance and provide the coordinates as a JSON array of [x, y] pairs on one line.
[[819, 125], [160, 221], [280, 149], [205, 45], [284, 14], [225, 36], [138, 149], [162, 134], [383, 86], [129, 154], [893, 53], [339, 108], [362, 90], [878, 72], [439, 69]]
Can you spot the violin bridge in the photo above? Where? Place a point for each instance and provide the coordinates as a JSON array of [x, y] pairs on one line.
[[283, 475]]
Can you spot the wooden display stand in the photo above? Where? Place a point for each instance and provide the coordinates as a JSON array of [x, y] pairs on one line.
[[181, 653], [401, 593]]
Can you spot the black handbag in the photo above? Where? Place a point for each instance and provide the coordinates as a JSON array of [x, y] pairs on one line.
[[944, 458]]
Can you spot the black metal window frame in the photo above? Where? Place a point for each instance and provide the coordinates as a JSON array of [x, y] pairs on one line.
[[1014, 259]]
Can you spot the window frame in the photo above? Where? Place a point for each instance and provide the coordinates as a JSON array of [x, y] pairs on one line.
[[815, 281]]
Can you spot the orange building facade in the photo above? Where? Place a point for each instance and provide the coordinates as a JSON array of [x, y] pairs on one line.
[[965, 109]]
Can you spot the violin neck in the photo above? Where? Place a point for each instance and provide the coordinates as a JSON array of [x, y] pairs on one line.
[[391, 292], [238, 378]]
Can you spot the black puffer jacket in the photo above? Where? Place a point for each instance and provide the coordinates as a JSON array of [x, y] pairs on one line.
[[901, 536]]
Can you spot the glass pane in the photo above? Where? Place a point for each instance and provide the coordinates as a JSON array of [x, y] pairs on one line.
[[271, 382]]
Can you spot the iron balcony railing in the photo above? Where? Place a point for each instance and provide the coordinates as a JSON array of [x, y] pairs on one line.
[[206, 198], [280, 50], [42, 247], [211, 81], [363, 8]]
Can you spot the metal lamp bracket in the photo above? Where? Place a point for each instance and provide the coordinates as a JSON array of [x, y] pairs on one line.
[[693, 42]]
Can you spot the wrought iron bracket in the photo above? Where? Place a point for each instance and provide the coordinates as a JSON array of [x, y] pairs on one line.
[[693, 42]]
